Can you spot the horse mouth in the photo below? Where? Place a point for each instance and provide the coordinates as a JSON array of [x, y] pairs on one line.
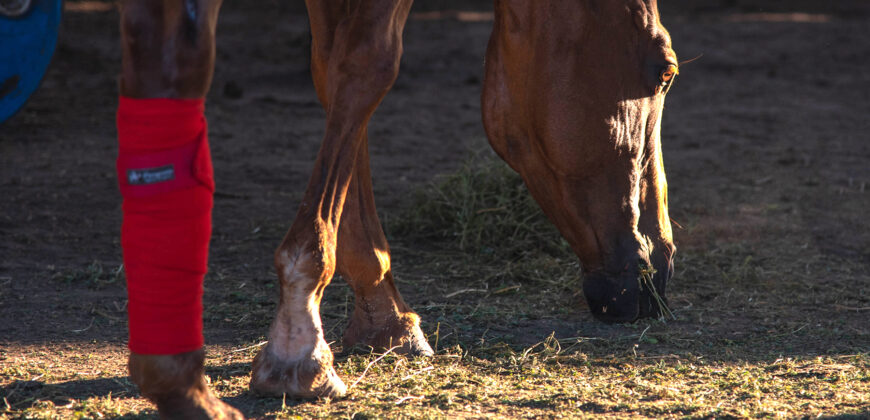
[[626, 304]]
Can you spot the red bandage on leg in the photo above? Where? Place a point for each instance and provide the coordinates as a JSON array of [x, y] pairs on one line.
[[165, 176]]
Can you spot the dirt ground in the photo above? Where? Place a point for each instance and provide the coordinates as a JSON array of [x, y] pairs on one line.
[[766, 148]]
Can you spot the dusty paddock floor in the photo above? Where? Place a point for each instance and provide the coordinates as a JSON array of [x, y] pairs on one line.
[[767, 150]]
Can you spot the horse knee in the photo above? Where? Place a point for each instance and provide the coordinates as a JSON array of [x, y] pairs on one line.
[[177, 65], [385, 68], [372, 66]]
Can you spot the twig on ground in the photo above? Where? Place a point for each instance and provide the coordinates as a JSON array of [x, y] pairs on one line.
[[85, 328], [361, 376], [416, 372], [409, 397], [459, 292], [506, 289], [262, 343], [639, 339]]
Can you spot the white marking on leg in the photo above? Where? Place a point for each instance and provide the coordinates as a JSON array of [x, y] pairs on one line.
[[297, 329]]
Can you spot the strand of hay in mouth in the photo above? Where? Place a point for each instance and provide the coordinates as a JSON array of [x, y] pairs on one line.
[[645, 280]]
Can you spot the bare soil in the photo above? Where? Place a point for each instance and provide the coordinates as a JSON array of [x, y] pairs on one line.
[[766, 147]]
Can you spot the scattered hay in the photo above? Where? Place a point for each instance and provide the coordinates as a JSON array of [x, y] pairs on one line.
[[482, 220]]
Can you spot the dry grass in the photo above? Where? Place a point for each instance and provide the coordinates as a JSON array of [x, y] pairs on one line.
[[768, 328], [481, 231]]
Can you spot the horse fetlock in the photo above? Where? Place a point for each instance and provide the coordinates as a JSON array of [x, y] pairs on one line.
[[304, 264], [397, 331], [308, 376]]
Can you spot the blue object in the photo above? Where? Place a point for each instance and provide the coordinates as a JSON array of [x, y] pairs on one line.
[[26, 46]]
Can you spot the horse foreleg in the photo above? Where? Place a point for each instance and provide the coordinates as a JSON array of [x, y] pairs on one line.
[[168, 56], [381, 318], [364, 46]]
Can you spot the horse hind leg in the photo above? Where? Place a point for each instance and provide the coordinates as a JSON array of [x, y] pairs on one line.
[[364, 47], [381, 318]]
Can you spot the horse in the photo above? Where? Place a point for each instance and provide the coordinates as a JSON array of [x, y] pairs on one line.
[[572, 100]]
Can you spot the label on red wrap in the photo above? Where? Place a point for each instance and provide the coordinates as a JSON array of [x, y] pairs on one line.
[[150, 175], [146, 174]]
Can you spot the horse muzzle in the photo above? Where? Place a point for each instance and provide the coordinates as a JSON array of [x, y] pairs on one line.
[[636, 292]]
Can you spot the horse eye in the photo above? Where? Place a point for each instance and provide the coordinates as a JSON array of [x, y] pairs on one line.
[[667, 75]]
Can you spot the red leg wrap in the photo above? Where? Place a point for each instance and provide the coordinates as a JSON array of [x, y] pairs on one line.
[[166, 180]]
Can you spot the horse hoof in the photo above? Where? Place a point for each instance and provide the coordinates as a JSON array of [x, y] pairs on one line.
[[308, 377], [416, 344]]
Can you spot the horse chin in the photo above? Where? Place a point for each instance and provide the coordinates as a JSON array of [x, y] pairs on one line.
[[620, 317]]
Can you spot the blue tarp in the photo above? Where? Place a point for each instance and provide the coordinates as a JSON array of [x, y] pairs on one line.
[[26, 46]]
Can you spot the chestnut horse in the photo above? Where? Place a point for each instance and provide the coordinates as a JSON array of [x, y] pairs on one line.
[[572, 100]]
